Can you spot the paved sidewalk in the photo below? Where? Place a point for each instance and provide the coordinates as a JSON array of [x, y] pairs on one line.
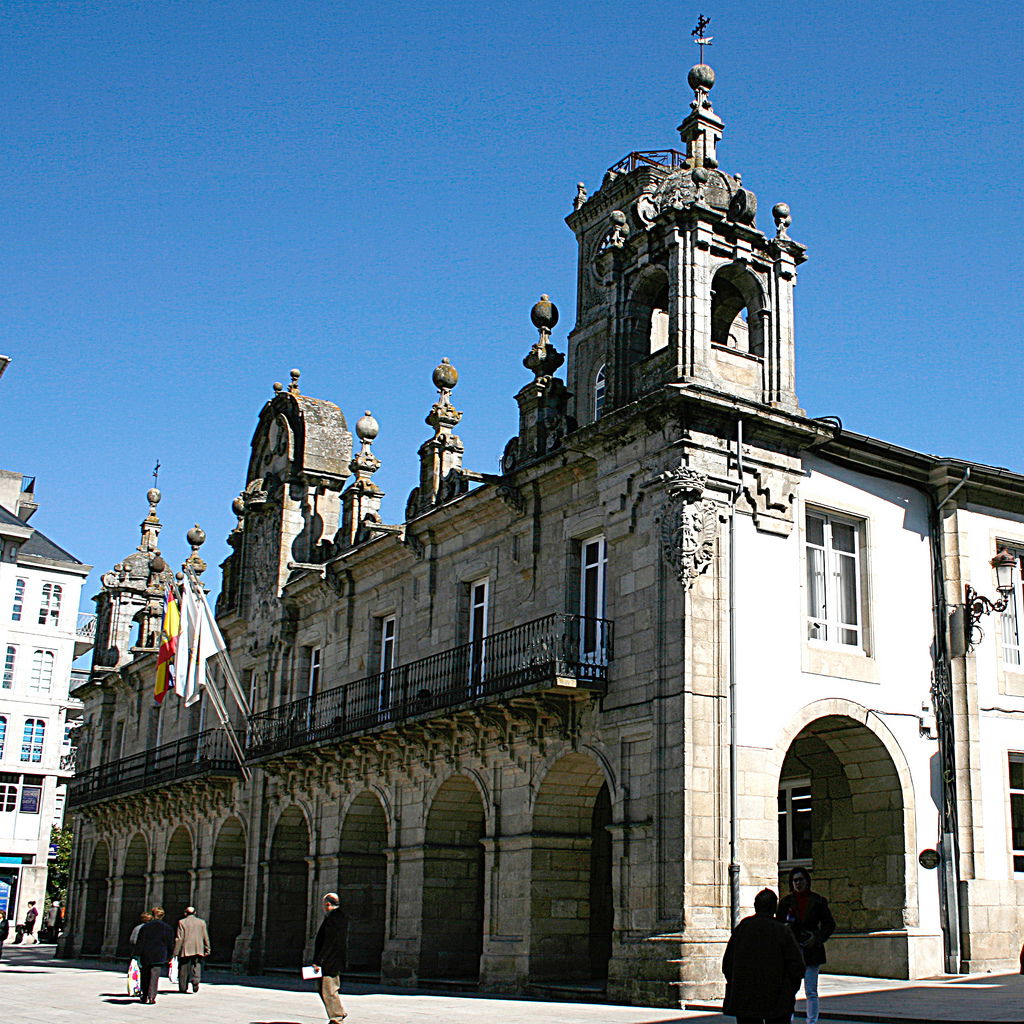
[[36, 988]]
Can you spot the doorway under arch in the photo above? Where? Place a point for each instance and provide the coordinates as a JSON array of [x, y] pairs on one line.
[[453, 883], [133, 891], [94, 913], [841, 815], [287, 890], [177, 876], [227, 890], [362, 881], [571, 908]]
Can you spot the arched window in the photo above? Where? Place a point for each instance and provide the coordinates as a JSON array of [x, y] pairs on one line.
[[41, 678], [32, 740], [49, 605], [19, 600], [736, 308], [600, 383], [657, 330], [10, 658]]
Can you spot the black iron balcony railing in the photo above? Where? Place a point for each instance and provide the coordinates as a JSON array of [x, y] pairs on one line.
[[201, 754], [557, 650]]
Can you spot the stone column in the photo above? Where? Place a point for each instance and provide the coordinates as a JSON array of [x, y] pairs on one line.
[[400, 959], [504, 964]]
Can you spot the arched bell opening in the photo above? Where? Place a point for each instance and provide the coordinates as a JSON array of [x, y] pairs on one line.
[[737, 310], [227, 891]]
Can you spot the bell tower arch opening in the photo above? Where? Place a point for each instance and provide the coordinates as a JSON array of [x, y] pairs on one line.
[[737, 310]]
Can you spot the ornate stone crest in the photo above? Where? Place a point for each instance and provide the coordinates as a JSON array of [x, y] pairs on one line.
[[689, 525]]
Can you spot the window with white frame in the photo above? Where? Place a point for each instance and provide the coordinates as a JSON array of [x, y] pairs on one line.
[[313, 677], [58, 806], [478, 592], [10, 662], [834, 571], [593, 573], [32, 740], [31, 794], [40, 679], [3, 734], [19, 600], [49, 603], [1017, 810], [1013, 617], [386, 658], [795, 823], [8, 797], [600, 386]]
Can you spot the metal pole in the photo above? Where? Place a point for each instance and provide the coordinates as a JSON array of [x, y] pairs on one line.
[[734, 867]]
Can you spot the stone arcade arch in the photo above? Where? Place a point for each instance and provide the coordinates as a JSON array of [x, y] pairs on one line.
[[94, 916], [362, 880], [571, 918], [133, 890], [860, 830], [227, 890], [177, 876], [453, 883], [287, 891]]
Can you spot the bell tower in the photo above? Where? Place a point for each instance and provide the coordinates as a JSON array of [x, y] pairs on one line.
[[675, 283]]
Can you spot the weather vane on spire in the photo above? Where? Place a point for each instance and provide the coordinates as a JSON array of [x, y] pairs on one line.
[[698, 35], [156, 473]]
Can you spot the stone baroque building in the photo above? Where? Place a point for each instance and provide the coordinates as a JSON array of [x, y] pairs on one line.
[[559, 725], [41, 634]]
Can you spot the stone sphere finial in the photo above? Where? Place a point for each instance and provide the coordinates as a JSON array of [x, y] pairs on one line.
[[238, 506], [544, 314], [157, 564], [196, 536], [278, 387], [294, 386], [445, 376], [367, 428], [701, 78], [153, 496], [783, 218]]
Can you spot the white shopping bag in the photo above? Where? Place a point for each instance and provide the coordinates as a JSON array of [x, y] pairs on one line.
[[172, 971], [312, 971]]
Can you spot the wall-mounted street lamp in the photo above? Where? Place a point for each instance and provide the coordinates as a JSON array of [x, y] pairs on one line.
[[977, 605]]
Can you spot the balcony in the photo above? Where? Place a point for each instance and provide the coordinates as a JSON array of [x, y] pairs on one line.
[[206, 753], [85, 633], [557, 653]]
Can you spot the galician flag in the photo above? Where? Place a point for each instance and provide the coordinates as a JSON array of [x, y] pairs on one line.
[[168, 647]]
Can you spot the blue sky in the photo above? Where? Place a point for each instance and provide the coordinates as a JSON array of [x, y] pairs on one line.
[[198, 196]]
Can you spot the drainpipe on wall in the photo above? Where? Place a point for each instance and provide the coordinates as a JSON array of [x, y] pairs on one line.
[[734, 867]]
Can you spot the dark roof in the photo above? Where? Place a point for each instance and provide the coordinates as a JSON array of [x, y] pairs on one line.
[[38, 544]]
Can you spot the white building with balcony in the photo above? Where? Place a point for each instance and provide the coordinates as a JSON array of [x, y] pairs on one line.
[[41, 635]]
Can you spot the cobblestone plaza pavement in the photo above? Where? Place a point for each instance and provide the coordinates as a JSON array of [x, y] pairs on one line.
[[36, 988]]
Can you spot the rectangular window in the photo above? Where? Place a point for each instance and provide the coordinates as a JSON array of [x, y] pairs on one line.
[[49, 603], [478, 592], [40, 680], [1017, 810], [32, 740], [795, 823], [58, 807], [3, 734], [593, 573], [1013, 617], [314, 671], [19, 600], [9, 662], [386, 659], [834, 580], [8, 796]]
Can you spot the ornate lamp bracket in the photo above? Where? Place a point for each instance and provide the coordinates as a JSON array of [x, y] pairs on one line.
[[976, 605]]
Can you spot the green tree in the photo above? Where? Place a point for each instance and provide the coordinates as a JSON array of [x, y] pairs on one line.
[[57, 879]]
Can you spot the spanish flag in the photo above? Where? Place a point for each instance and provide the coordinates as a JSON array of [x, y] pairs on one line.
[[168, 647]]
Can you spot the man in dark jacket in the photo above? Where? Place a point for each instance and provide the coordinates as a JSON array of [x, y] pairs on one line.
[[762, 967], [154, 947], [812, 923], [329, 956]]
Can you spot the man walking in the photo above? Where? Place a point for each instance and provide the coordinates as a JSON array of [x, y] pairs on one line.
[[329, 956], [762, 967], [807, 914], [154, 947], [191, 945]]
